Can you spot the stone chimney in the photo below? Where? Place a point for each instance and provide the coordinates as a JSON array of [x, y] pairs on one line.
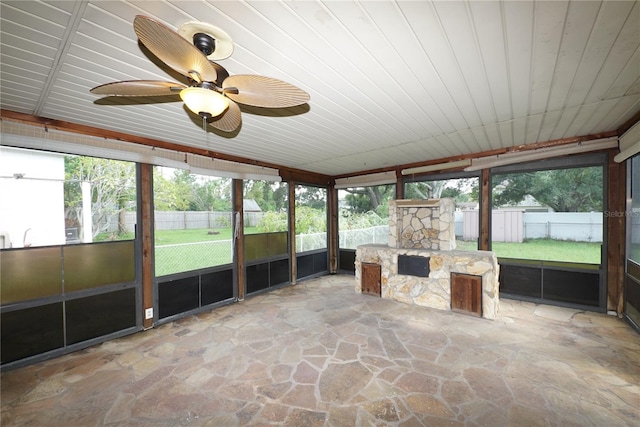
[[422, 224]]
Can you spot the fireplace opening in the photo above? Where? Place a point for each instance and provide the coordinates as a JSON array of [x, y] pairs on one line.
[[413, 265]]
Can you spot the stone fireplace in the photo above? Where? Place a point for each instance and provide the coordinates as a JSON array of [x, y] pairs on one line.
[[422, 224], [426, 229]]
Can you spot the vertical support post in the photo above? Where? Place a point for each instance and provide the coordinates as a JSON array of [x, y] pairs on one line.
[[87, 217], [332, 227], [146, 229], [292, 232], [238, 236], [399, 185], [485, 210], [615, 226]]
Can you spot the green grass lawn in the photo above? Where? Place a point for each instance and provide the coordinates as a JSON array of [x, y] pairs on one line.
[[176, 259], [543, 249], [172, 237], [173, 259], [193, 249]]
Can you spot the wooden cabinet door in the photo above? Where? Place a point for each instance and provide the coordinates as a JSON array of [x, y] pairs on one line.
[[371, 274], [466, 293]]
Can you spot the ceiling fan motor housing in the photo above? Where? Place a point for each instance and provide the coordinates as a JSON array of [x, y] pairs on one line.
[[205, 43]]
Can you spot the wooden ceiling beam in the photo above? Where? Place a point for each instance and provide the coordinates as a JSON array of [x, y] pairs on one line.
[[628, 124], [292, 174], [514, 149], [287, 173]]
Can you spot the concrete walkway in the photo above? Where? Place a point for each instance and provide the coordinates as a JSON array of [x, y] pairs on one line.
[[319, 354]]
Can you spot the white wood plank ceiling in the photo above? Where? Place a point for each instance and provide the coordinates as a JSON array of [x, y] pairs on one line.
[[391, 83]]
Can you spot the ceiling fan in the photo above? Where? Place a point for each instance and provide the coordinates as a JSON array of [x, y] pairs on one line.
[[211, 92]]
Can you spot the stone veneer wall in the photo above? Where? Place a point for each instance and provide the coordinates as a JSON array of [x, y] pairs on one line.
[[433, 291], [422, 224]]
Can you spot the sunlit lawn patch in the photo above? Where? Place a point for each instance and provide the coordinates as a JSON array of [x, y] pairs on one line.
[[543, 249]]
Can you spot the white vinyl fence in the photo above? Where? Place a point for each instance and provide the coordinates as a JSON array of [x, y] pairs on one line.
[[185, 220], [507, 225], [310, 242], [514, 225], [351, 239], [167, 220]]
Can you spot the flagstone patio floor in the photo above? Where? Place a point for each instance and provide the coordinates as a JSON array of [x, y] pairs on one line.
[[319, 354]]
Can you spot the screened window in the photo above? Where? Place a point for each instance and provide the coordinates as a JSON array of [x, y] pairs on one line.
[[67, 228], [57, 199], [632, 283], [554, 215], [265, 206], [193, 221], [311, 218], [266, 217], [363, 215], [465, 192], [266, 239], [634, 214]]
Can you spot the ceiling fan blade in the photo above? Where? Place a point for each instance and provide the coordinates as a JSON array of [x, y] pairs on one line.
[[230, 120], [266, 92], [172, 49], [138, 88]]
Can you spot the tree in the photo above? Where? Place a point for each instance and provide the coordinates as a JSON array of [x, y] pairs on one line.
[[564, 190], [270, 196], [182, 191], [425, 190], [112, 185], [173, 194], [280, 196], [374, 198], [183, 186], [459, 189], [313, 197], [212, 194], [310, 220]]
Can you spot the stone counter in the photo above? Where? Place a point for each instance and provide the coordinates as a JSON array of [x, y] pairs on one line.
[[435, 290]]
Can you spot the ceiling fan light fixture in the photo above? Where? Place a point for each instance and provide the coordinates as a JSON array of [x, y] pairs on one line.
[[212, 93], [204, 102]]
